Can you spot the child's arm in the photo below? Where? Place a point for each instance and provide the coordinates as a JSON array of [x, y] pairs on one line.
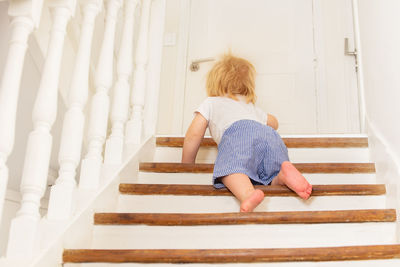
[[193, 138], [272, 121]]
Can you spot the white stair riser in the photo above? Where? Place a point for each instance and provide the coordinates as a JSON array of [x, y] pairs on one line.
[[242, 236], [369, 263], [208, 155], [200, 204], [206, 178]]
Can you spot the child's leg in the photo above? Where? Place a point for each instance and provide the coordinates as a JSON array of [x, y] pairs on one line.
[[293, 179], [240, 185]]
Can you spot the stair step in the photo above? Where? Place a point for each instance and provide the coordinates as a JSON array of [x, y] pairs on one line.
[[174, 219], [242, 236], [352, 263], [272, 190], [217, 204], [209, 154], [206, 178], [290, 142], [173, 167], [232, 255]]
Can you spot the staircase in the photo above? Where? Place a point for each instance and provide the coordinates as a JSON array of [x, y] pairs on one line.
[[171, 214]]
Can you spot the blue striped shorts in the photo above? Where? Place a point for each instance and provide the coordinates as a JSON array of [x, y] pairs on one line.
[[251, 148]]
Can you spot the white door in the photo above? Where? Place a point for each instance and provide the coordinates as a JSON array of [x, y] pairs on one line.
[[278, 37]]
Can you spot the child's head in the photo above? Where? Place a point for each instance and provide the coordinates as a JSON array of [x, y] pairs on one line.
[[231, 76]]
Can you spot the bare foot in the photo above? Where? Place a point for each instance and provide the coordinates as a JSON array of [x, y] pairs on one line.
[[293, 179], [250, 203]]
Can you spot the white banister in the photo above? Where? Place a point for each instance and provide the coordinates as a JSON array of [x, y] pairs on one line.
[[156, 38], [120, 104], [134, 127], [62, 196], [91, 165], [23, 236], [25, 17]]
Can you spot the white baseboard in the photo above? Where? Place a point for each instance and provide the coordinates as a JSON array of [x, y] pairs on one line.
[[387, 165]]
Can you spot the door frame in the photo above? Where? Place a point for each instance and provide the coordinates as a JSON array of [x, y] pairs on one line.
[[181, 65]]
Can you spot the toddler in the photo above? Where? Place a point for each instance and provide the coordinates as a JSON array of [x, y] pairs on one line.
[[250, 151]]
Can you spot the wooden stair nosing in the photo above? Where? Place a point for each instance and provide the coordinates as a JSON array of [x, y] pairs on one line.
[[292, 217], [174, 167], [291, 142], [271, 190], [232, 255]]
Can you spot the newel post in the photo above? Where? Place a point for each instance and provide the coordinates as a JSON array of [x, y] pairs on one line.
[[134, 127], [23, 239], [120, 104], [25, 17], [62, 195], [92, 164]]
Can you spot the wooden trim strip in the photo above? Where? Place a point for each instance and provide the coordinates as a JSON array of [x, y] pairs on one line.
[[292, 217], [232, 255], [175, 167], [302, 142], [272, 190]]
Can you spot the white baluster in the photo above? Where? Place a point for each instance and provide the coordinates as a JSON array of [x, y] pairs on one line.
[[154, 66], [23, 232], [61, 204], [25, 16], [120, 105], [134, 125], [91, 165]]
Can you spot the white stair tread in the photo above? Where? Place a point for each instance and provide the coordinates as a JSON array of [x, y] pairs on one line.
[[242, 236], [206, 178], [198, 204], [300, 155]]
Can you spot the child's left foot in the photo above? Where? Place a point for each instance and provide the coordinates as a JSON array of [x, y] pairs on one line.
[[252, 201], [293, 179]]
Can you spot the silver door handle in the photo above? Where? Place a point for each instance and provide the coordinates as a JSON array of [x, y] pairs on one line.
[[195, 66], [350, 53], [346, 48]]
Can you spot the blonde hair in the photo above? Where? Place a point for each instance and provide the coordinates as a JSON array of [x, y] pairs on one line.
[[231, 76]]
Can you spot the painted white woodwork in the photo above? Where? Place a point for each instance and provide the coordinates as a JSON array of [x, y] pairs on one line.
[[336, 79], [208, 155], [31, 9], [120, 104], [24, 19], [9, 90], [360, 72], [134, 127], [204, 204], [339, 68], [62, 194], [243, 236], [206, 179], [156, 33], [283, 55], [92, 163], [23, 230]]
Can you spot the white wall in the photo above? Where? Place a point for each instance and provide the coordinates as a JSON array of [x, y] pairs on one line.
[[380, 41]]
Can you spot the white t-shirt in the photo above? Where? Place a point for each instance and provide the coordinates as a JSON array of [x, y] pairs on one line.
[[222, 112]]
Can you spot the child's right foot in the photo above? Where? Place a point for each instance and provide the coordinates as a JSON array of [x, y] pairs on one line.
[[252, 201], [293, 179]]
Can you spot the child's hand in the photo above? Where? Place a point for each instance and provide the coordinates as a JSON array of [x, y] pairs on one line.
[[193, 138], [272, 122]]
